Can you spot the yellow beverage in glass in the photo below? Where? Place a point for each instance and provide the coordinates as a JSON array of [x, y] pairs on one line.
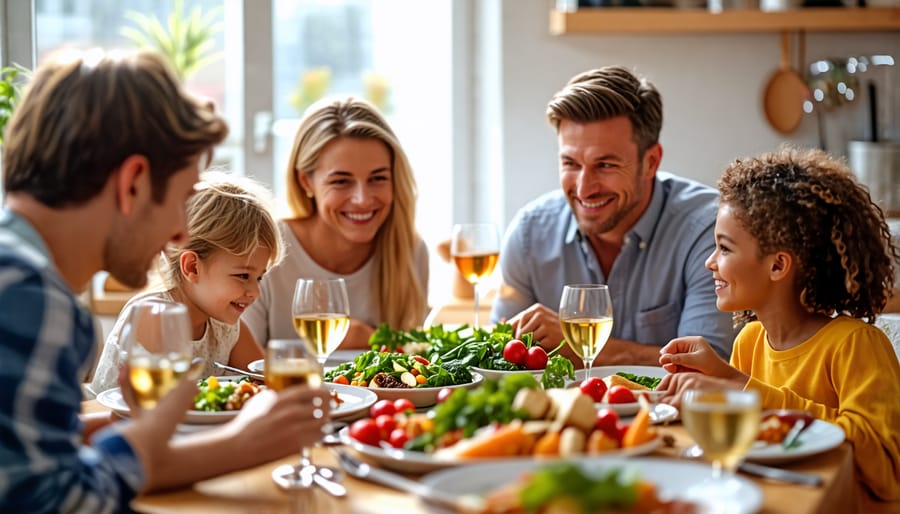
[[723, 424], [283, 373], [152, 376], [586, 336], [326, 331], [476, 267]]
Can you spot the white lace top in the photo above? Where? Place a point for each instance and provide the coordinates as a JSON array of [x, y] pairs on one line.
[[216, 344]]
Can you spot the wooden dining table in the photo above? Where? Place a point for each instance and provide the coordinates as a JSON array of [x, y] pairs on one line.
[[253, 490]]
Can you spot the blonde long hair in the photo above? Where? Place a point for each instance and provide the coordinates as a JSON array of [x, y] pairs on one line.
[[227, 213], [401, 295]]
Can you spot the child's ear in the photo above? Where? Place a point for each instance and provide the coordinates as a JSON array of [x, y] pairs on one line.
[[189, 263], [782, 264]]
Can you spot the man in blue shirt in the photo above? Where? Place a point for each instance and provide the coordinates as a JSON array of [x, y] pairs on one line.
[[99, 158], [616, 220]]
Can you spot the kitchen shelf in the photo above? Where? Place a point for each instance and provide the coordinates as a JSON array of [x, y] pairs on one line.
[[618, 20]]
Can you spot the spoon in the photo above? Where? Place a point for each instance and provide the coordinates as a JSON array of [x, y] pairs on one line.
[[251, 374]]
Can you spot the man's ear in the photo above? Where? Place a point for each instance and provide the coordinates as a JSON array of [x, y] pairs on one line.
[[132, 182], [782, 264], [189, 264], [653, 158]]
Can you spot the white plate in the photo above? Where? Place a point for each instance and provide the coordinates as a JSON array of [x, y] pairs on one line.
[[673, 478], [496, 374], [421, 396], [820, 437], [418, 462], [356, 401]]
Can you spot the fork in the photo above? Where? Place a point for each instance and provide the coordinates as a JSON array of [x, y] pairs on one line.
[[466, 504]]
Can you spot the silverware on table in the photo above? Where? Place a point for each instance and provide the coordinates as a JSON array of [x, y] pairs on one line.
[[250, 374], [772, 473], [463, 504]]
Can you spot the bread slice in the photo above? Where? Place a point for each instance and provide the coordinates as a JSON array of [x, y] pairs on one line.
[[620, 380]]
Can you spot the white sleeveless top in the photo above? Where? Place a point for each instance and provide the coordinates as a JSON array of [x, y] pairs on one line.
[[215, 345]]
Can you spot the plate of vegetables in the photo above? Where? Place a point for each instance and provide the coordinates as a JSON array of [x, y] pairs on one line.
[[393, 375], [218, 400], [510, 417], [617, 387]]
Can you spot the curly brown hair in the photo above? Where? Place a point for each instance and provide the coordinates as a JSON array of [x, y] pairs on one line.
[[809, 203]]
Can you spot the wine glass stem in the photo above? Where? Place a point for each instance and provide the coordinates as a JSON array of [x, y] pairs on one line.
[[305, 459], [587, 368], [475, 293]]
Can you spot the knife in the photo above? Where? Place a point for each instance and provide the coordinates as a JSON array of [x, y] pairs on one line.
[[784, 475]]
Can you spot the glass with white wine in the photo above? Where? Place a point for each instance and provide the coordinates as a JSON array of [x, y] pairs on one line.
[[586, 318], [475, 248], [724, 423], [321, 313], [156, 343]]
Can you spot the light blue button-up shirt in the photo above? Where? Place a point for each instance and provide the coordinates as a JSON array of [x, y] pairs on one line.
[[659, 284]]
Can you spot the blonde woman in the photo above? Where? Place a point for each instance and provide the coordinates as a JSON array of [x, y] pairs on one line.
[[233, 240], [351, 195]]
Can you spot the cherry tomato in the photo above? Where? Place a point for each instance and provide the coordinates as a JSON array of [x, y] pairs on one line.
[[515, 352], [443, 394], [384, 349], [620, 394], [382, 407], [421, 360], [386, 424], [622, 427], [594, 387], [398, 438], [607, 421], [402, 405], [365, 431], [536, 358]]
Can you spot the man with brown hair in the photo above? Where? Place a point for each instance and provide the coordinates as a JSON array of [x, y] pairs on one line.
[[616, 220], [99, 159]]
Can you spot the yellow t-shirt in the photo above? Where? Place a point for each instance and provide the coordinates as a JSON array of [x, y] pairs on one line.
[[847, 374]]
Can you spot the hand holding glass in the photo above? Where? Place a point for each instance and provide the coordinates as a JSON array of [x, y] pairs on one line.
[[475, 249], [321, 313], [156, 342], [586, 319]]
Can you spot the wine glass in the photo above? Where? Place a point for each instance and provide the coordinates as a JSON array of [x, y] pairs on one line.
[[475, 248], [586, 318], [321, 313], [156, 343], [293, 362], [724, 423]]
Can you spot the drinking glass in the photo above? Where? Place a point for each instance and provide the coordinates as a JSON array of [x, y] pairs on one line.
[[724, 423], [321, 313], [586, 318], [293, 362], [475, 248], [156, 343]]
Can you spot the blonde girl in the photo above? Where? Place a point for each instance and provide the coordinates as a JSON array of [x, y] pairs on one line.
[[352, 195], [233, 240], [804, 256]]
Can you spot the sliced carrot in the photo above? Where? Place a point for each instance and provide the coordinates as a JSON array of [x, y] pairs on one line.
[[504, 441], [639, 431], [548, 444]]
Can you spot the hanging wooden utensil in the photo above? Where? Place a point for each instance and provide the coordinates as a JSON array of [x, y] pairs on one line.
[[784, 94]]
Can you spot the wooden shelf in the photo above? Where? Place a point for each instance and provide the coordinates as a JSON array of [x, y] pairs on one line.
[[610, 20]]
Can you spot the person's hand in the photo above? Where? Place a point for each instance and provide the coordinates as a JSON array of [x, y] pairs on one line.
[[273, 425], [542, 322], [693, 354], [675, 384]]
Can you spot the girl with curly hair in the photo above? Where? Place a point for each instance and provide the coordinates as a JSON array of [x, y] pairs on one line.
[[804, 258]]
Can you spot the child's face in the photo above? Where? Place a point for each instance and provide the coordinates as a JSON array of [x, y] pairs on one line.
[[353, 187], [741, 274], [226, 284]]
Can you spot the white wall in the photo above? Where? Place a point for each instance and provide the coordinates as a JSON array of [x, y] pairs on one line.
[[712, 88]]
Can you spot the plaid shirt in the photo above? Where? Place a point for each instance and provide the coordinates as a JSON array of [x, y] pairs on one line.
[[46, 347]]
